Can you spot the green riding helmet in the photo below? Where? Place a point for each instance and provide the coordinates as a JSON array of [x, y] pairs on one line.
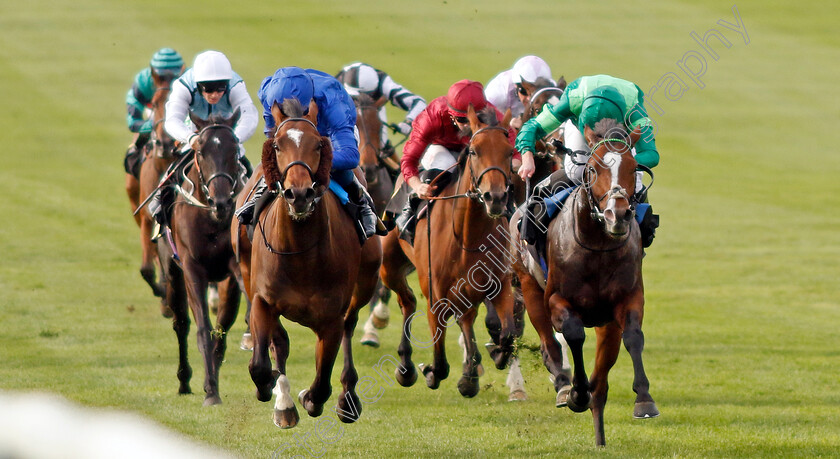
[[167, 63]]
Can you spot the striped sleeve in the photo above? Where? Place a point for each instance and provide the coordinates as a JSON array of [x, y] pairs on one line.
[[401, 97]]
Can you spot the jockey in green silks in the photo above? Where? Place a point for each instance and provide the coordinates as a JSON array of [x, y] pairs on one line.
[[586, 101]]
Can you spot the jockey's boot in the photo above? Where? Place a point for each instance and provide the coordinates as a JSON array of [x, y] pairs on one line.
[[158, 207], [248, 211], [370, 223], [406, 222]]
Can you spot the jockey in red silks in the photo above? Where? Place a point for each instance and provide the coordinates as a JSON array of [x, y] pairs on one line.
[[438, 135]]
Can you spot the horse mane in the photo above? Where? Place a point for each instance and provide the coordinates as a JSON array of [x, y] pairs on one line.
[[609, 128], [292, 108], [363, 100], [269, 163]]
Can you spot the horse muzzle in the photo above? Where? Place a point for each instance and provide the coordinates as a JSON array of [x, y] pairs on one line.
[[617, 221], [495, 203], [301, 201]]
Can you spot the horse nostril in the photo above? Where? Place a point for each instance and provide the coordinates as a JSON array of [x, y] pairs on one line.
[[609, 215], [628, 215], [211, 201], [289, 195], [488, 196], [310, 194]]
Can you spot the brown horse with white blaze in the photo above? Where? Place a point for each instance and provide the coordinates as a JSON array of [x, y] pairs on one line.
[[467, 240], [304, 264], [594, 277]]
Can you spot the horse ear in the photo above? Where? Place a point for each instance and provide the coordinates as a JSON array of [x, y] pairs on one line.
[[506, 118], [277, 114], [473, 117], [313, 112], [381, 102], [590, 136], [635, 135], [561, 82], [235, 118], [198, 122]]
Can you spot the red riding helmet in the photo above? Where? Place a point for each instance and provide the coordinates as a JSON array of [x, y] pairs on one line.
[[462, 94]]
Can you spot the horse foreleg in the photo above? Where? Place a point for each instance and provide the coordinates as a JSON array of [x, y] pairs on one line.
[[503, 306], [349, 406], [608, 343], [572, 328], [132, 188], [285, 412], [229, 307], [196, 285], [552, 355], [439, 370], [392, 273], [468, 384], [634, 342], [176, 299], [329, 338], [147, 268], [242, 271], [263, 323]]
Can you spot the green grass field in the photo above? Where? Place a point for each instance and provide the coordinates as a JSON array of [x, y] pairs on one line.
[[743, 310]]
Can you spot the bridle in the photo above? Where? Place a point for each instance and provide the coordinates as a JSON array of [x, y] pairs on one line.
[[280, 187], [205, 183], [616, 192]]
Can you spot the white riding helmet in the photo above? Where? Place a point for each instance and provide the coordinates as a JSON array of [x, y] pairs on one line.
[[360, 77], [212, 66], [529, 68]]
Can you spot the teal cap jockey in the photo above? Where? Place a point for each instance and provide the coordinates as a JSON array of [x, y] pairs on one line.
[[167, 62], [603, 102]]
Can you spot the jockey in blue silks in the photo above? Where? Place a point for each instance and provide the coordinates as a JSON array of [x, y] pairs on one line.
[[336, 120]]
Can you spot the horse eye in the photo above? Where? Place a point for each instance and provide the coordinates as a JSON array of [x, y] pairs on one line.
[[471, 152]]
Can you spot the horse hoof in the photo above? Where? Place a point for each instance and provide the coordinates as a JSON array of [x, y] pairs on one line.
[[286, 419], [380, 317], [166, 311], [370, 339], [305, 399], [645, 410], [468, 386], [264, 393], [578, 403], [431, 380], [563, 396], [247, 343], [212, 400], [349, 408], [184, 389], [517, 396], [408, 378]]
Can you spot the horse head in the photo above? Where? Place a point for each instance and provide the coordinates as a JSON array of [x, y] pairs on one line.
[[610, 175], [370, 134], [216, 162], [488, 160], [297, 159], [162, 144], [540, 93]]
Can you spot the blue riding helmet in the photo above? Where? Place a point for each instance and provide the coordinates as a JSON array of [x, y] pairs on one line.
[[287, 83]]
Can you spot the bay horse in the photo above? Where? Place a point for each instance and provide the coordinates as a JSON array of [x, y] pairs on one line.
[[198, 250], [305, 264], [159, 155], [380, 185], [467, 241], [594, 277]]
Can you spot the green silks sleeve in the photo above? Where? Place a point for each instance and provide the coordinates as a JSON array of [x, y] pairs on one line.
[[528, 135], [646, 153]]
